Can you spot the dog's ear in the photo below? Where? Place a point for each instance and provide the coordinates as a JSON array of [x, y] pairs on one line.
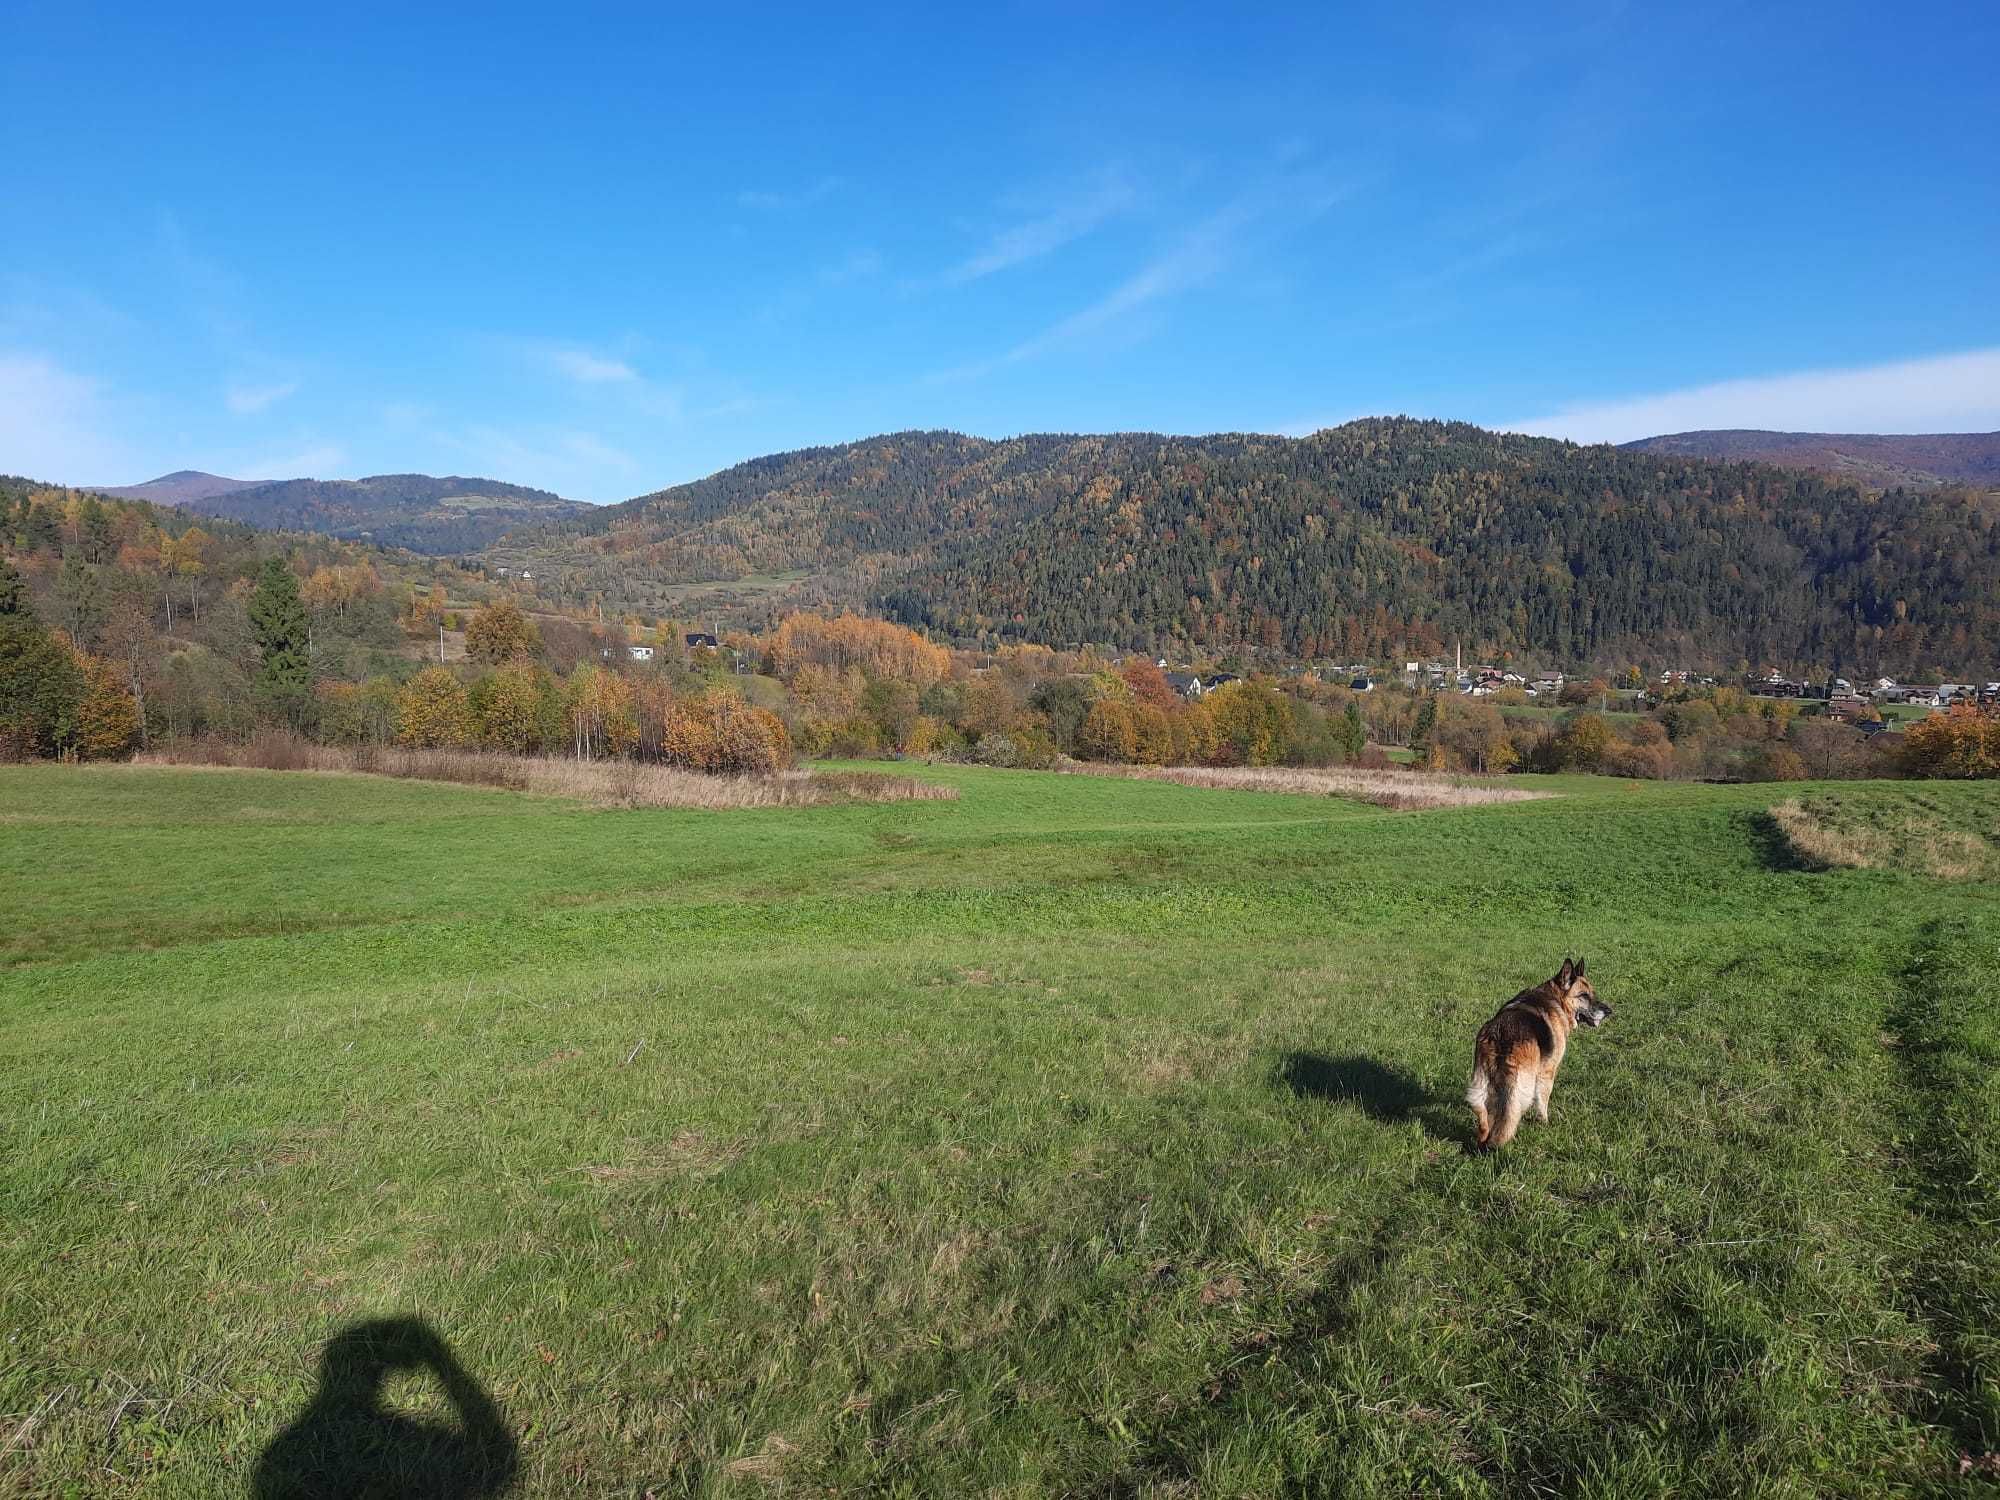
[[1579, 970], [1566, 974]]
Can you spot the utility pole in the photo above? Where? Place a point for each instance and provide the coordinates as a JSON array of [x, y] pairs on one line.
[[440, 640]]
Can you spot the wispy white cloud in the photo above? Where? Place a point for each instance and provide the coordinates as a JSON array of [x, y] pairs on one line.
[[56, 424], [248, 400], [586, 368], [1048, 231], [1944, 393], [1192, 260], [781, 202]]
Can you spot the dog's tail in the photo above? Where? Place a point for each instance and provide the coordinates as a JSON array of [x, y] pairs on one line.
[[1513, 1090]]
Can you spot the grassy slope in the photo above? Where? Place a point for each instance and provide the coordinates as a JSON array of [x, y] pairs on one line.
[[1081, 1136]]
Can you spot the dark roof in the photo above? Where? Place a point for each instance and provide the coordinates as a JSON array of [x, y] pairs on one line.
[[701, 638]]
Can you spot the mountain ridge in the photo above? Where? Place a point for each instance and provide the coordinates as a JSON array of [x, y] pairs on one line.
[[435, 514], [1379, 536], [1882, 460]]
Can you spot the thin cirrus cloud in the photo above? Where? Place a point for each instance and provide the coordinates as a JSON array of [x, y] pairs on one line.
[[586, 368], [1194, 258], [1043, 235], [249, 400], [1943, 393], [1197, 257]]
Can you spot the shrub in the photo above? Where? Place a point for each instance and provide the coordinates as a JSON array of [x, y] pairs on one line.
[[1776, 763], [720, 734]]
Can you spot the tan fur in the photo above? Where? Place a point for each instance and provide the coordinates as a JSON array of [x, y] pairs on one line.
[[1516, 1054]]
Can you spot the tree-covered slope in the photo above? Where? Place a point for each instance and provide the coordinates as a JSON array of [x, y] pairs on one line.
[[1375, 538], [1882, 460], [419, 511]]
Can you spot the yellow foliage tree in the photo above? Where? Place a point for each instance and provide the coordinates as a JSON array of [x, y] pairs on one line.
[[107, 719], [432, 711]]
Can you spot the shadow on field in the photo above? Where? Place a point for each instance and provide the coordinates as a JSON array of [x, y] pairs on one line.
[[1775, 852], [1382, 1092], [348, 1443]]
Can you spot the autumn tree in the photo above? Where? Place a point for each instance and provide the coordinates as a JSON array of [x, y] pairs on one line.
[[500, 632], [1253, 722], [433, 712], [1108, 732], [107, 717], [719, 733], [1149, 684], [600, 713], [516, 709], [1961, 743]]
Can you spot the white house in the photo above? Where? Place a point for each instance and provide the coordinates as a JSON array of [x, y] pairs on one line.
[[640, 653]]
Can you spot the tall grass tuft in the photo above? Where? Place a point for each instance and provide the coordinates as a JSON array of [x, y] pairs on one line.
[[602, 783], [1397, 789]]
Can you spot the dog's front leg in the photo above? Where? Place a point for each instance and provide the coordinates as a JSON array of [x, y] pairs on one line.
[[1544, 1086]]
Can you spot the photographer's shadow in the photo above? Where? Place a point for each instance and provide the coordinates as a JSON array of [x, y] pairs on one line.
[[348, 1444]]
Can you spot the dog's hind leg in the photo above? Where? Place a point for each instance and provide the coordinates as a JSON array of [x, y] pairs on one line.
[[1545, 1083], [1482, 1119], [1517, 1091]]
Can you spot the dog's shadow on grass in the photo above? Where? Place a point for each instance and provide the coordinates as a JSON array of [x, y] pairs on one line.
[[348, 1442], [1380, 1091]]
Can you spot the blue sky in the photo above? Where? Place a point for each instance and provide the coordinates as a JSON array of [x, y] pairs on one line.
[[602, 250]]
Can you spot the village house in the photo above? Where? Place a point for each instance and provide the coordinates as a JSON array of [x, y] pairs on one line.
[[640, 653]]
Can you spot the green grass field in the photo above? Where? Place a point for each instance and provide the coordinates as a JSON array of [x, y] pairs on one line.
[[1080, 1137]]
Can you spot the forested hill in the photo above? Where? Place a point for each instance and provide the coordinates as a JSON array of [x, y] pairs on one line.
[[1882, 460], [1369, 540], [440, 516]]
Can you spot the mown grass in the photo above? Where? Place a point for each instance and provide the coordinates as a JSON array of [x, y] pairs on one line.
[[1077, 1137]]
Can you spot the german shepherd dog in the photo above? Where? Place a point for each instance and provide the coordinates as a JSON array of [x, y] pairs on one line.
[[1516, 1054]]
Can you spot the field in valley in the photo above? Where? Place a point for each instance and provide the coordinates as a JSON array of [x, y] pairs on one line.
[[1081, 1136]]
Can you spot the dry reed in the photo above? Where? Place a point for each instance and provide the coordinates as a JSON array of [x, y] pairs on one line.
[[603, 783], [1397, 789]]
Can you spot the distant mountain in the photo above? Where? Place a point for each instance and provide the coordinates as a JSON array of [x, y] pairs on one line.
[[422, 512], [182, 487], [1878, 460], [1363, 542]]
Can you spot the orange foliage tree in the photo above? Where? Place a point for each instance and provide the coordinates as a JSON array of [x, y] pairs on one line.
[[878, 647], [1961, 743], [721, 734]]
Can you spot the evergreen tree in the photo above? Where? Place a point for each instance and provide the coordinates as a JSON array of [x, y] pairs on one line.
[[278, 616], [1353, 733], [1425, 729], [40, 683]]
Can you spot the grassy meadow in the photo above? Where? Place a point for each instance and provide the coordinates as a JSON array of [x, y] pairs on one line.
[[1080, 1136]]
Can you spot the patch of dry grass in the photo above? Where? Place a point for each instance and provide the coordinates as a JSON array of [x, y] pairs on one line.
[[603, 783], [1906, 833], [1398, 789]]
